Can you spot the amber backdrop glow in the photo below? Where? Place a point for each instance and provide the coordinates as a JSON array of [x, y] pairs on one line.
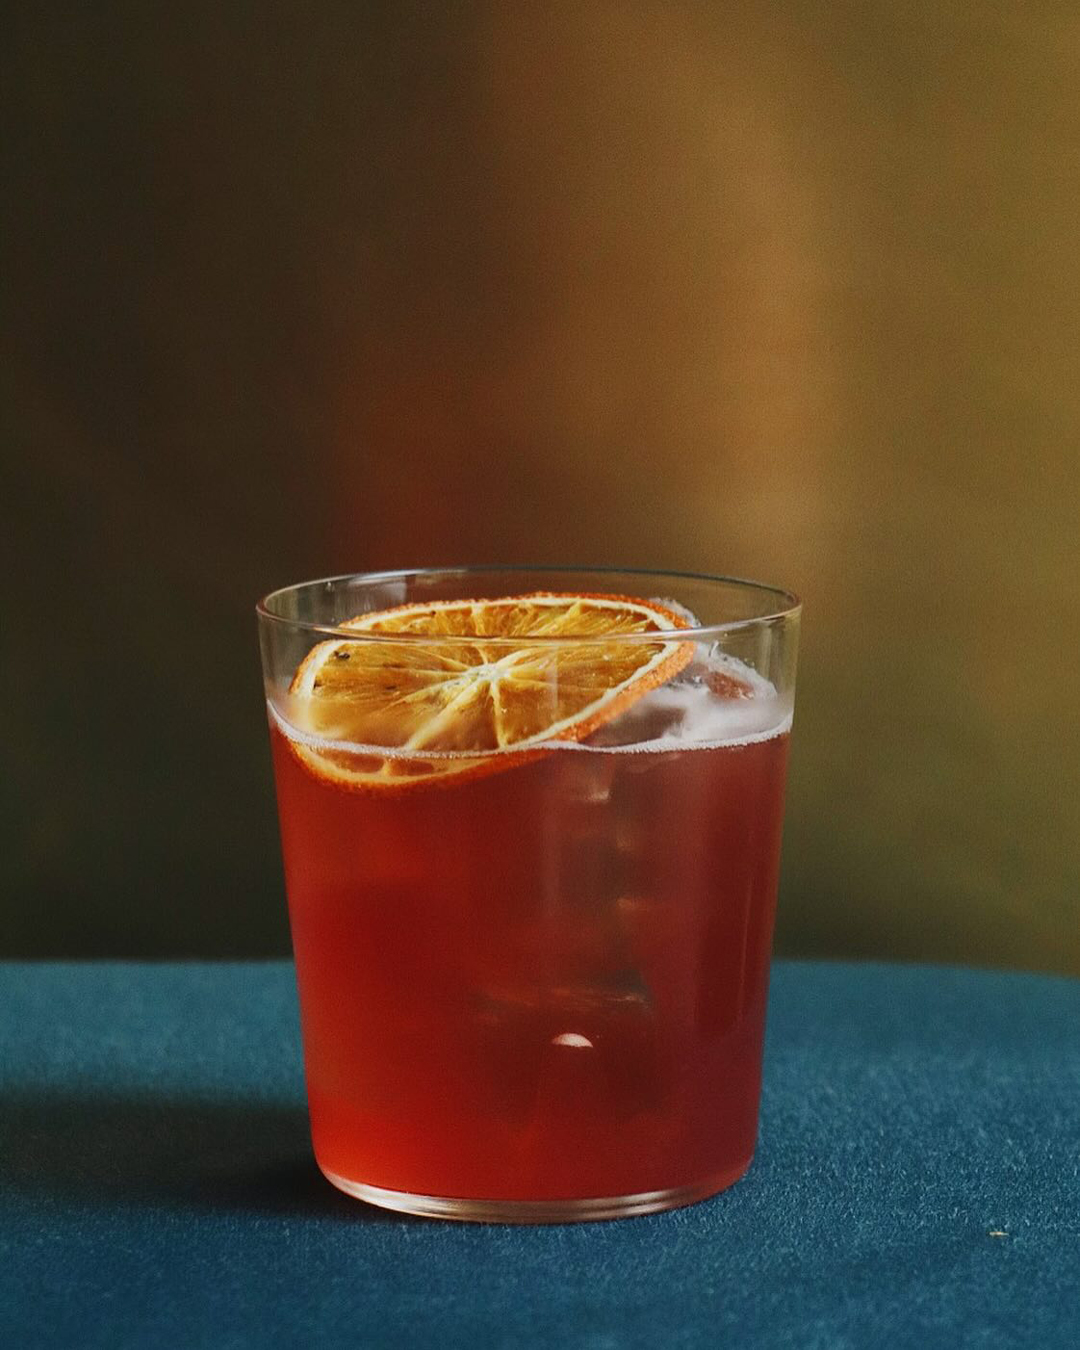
[[788, 290]]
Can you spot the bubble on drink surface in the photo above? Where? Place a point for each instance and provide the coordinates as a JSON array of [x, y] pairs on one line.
[[573, 1038], [676, 608]]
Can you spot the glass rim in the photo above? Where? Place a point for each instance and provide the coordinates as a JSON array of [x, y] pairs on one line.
[[788, 606]]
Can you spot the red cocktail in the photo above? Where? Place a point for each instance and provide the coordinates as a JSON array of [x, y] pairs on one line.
[[533, 977]]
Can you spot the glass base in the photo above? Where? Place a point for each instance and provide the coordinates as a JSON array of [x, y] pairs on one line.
[[536, 1211]]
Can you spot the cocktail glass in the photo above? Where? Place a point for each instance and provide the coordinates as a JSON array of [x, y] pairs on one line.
[[532, 975]]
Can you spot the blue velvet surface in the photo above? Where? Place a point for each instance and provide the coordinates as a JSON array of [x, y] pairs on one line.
[[916, 1183]]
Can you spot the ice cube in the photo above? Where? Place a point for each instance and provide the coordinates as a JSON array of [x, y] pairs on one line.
[[526, 1034], [656, 715], [585, 781], [716, 700]]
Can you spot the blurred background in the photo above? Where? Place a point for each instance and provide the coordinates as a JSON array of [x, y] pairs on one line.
[[772, 288]]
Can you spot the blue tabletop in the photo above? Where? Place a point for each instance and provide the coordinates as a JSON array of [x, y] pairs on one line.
[[916, 1183]]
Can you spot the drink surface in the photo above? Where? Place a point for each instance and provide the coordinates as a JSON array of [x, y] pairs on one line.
[[547, 982]]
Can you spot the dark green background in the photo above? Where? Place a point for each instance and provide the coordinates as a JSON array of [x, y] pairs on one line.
[[779, 289]]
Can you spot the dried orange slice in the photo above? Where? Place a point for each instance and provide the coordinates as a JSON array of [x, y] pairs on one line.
[[482, 700]]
